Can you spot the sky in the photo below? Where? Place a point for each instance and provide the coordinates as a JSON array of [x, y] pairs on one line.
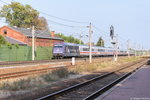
[[130, 18]]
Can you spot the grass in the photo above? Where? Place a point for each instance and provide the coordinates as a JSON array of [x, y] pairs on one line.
[[33, 82], [21, 84], [101, 65]]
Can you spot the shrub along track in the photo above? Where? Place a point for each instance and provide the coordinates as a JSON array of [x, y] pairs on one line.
[[82, 90]]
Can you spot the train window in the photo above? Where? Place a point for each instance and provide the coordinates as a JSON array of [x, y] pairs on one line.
[[58, 46], [101, 50], [76, 49], [66, 49], [110, 50], [70, 47], [73, 49], [85, 49]]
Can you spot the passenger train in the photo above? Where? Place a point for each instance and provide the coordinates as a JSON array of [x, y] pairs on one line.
[[64, 50]]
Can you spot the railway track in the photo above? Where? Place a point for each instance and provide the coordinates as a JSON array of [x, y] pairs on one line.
[[28, 62], [30, 72], [36, 71], [14, 63], [107, 87], [103, 82]]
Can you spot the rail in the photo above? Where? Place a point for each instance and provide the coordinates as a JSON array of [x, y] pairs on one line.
[[72, 88]]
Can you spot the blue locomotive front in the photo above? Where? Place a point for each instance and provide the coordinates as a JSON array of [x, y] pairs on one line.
[[58, 50], [61, 50]]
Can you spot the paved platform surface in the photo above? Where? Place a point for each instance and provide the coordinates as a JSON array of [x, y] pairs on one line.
[[136, 87]]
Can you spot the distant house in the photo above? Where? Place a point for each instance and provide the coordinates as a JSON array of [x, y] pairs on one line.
[[23, 36]]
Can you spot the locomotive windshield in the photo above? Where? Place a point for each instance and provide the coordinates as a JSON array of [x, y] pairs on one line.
[[58, 46], [58, 49]]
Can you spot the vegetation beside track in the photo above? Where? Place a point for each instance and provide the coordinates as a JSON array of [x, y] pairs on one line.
[[98, 66], [38, 81]]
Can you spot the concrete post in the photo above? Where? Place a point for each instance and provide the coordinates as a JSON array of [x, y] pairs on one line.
[[73, 61]]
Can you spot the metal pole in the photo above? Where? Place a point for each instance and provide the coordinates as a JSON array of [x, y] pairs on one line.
[[114, 52], [117, 45], [80, 38], [115, 48], [128, 47], [90, 43], [33, 31]]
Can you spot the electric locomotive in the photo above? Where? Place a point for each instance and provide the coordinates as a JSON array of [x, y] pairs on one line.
[[63, 50]]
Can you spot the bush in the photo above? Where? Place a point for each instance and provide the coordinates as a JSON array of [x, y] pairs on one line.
[[61, 73], [17, 46], [9, 45], [48, 77]]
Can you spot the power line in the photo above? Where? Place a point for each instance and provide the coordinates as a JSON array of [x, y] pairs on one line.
[[61, 30], [106, 32], [99, 29], [62, 18], [58, 22], [4, 2], [68, 20], [66, 25]]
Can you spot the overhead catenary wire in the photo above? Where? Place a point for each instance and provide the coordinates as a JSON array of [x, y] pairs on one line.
[[102, 31], [4, 2], [71, 26], [68, 20], [66, 25], [53, 15], [57, 22], [107, 35], [59, 30]]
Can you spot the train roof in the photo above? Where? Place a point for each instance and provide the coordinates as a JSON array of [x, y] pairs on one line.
[[73, 44], [96, 47], [64, 43]]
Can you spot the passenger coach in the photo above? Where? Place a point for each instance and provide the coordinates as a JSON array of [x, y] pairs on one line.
[[61, 50]]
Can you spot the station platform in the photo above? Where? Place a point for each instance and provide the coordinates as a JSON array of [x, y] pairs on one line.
[[135, 87]]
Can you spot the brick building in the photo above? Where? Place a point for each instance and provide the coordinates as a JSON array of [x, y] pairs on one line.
[[23, 36]]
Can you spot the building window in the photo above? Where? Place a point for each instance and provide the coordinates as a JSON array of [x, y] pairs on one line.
[[5, 31]]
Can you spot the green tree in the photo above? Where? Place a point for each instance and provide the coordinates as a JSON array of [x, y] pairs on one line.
[[70, 39], [2, 40], [20, 15], [100, 42], [41, 23]]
